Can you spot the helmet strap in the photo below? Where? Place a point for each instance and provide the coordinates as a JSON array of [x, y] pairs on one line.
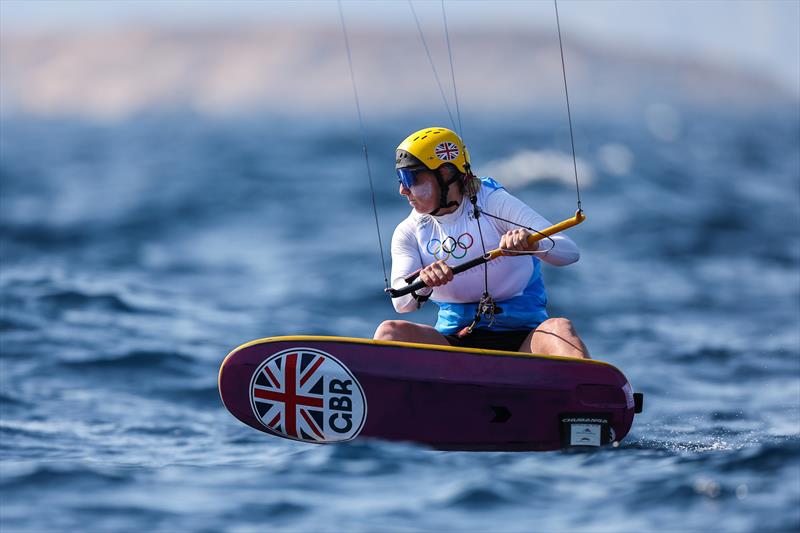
[[444, 188]]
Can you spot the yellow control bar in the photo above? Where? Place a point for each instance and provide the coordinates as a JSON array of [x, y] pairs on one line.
[[547, 232]]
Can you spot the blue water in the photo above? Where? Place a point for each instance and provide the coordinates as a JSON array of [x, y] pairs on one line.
[[135, 255]]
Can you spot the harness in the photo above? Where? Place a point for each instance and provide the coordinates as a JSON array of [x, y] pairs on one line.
[[487, 307]]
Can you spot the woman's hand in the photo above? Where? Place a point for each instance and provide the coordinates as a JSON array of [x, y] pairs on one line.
[[436, 274], [518, 240]]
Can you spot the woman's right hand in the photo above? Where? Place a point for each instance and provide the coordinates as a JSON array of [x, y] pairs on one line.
[[436, 274]]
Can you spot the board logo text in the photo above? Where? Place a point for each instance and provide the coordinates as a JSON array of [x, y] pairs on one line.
[[308, 395]]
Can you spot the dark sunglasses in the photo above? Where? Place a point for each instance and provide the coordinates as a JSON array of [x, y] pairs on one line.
[[408, 176]]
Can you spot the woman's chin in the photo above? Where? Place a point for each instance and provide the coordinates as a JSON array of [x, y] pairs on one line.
[[419, 207]]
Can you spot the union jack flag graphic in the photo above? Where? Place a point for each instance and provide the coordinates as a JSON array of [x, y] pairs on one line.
[[288, 394], [446, 151]]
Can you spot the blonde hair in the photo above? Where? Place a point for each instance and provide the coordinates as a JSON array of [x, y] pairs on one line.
[[471, 184]]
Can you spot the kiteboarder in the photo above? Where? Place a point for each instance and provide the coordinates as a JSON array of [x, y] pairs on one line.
[[456, 217]]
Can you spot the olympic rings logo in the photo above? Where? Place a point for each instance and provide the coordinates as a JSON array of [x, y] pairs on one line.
[[450, 247]]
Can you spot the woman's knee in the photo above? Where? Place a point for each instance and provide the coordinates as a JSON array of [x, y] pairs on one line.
[[558, 335], [557, 325], [392, 330]]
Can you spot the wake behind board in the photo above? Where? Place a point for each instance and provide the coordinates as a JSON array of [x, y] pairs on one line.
[[334, 389]]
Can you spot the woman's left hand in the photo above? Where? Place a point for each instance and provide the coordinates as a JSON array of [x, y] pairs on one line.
[[518, 240]]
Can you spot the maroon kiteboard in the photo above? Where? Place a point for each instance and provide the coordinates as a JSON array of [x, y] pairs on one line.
[[335, 389]]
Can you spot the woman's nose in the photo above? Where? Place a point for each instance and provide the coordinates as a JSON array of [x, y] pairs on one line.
[[404, 190]]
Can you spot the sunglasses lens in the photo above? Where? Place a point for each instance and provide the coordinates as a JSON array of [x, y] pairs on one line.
[[407, 176]]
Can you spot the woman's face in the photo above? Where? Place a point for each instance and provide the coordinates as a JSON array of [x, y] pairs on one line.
[[424, 194]]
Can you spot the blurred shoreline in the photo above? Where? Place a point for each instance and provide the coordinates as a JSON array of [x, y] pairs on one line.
[[256, 68]]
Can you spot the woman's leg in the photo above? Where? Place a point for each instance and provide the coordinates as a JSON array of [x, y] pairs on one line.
[[401, 330], [555, 336]]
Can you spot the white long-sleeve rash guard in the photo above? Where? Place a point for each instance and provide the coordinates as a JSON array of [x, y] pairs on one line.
[[421, 240]]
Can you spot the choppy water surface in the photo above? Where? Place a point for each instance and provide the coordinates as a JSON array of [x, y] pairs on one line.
[[136, 255]]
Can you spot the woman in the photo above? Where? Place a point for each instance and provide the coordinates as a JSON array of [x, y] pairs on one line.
[[457, 217]]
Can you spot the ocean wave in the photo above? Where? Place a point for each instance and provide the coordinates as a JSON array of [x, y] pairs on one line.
[[196, 396], [45, 235], [770, 455], [469, 498], [530, 166], [9, 401], [162, 430], [25, 475], [12, 320], [28, 291], [72, 299], [126, 361]]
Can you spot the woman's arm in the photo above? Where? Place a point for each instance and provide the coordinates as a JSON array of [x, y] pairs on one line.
[[561, 251], [405, 260]]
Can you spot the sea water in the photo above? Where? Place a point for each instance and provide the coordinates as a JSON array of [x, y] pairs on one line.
[[136, 254]]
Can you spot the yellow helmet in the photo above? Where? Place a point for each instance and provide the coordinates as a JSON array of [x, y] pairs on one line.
[[429, 149], [433, 147]]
